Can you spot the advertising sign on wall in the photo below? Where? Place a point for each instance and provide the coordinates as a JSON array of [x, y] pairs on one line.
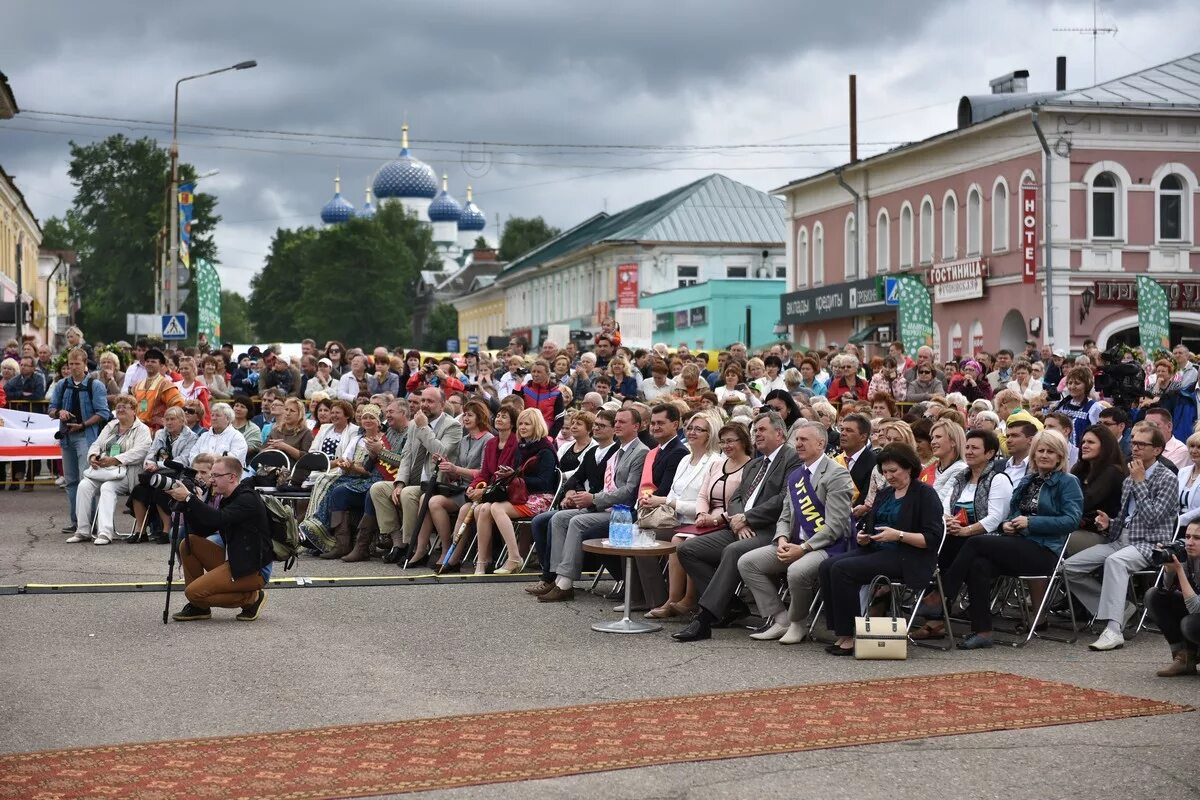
[[627, 286]]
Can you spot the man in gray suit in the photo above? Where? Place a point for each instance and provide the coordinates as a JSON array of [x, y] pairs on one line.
[[800, 546], [588, 516], [711, 560], [432, 434]]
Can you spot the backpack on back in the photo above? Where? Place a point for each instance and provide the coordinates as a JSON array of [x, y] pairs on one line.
[[285, 533]]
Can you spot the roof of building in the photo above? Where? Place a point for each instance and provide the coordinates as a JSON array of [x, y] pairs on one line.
[[712, 210], [1171, 85], [444, 207], [406, 176], [8, 101], [6, 178]]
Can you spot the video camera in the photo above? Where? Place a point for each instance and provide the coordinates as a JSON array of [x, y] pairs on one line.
[[1123, 381]]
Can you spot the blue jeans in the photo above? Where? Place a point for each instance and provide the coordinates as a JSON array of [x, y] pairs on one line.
[[541, 543], [75, 451]]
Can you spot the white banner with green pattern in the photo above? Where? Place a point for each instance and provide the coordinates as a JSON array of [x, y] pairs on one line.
[[916, 314], [1154, 323], [208, 283]]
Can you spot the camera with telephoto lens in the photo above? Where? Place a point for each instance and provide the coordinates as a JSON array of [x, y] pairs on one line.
[[1161, 556], [169, 474], [62, 426]]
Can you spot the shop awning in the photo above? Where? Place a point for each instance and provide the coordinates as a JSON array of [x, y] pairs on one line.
[[864, 334]]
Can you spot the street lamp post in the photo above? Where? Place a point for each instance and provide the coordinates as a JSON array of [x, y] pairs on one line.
[[173, 211]]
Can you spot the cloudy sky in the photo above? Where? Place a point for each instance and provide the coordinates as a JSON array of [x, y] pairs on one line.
[[548, 108]]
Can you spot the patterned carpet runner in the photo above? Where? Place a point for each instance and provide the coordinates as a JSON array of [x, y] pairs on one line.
[[448, 752]]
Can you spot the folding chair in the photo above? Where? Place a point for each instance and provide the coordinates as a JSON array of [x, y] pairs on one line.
[[271, 458], [917, 597], [1018, 591], [1138, 598]]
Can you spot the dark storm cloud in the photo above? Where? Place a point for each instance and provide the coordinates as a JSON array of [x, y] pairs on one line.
[[518, 71]]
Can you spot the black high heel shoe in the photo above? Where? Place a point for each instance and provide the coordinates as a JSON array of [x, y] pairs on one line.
[[394, 555]]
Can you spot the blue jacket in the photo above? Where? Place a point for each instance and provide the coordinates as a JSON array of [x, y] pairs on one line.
[[1060, 509], [92, 400]]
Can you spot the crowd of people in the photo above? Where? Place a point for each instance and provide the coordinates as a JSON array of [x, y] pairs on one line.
[[821, 470]]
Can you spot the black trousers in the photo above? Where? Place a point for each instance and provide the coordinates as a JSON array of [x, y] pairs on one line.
[[982, 559], [844, 575], [1178, 627]]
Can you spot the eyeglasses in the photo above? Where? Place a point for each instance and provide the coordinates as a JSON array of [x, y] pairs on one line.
[[1136, 443], [924, 372], [222, 474], [696, 429], [1111, 424], [190, 411]]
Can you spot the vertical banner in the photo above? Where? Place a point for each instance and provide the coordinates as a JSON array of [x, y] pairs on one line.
[[1153, 307], [208, 299], [1029, 234], [186, 192], [915, 315], [627, 286]]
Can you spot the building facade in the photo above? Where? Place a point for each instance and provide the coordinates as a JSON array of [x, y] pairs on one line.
[[713, 229], [1109, 171], [20, 238], [717, 312]]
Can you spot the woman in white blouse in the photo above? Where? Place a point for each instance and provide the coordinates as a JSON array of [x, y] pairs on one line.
[[222, 439], [701, 434], [334, 438], [1189, 484], [114, 462]]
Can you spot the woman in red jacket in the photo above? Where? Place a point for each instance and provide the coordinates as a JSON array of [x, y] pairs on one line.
[[846, 380], [542, 393]]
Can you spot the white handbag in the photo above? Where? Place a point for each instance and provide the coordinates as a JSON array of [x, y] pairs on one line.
[[881, 638], [104, 474]]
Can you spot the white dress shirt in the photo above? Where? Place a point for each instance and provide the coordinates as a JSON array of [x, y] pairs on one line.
[[758, 489]]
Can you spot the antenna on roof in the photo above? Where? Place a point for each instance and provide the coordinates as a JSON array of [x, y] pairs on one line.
[[1095, 32]]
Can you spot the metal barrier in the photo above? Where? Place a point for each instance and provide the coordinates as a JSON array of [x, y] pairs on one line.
[[29, 473]]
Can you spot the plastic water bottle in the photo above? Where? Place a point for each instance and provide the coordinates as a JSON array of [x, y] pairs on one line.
[[622, 518], [614, 526]]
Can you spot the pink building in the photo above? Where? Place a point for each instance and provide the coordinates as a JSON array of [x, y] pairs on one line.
[[1110, 171]]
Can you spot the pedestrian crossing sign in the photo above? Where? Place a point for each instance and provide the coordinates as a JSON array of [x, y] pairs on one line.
[[174, 326], [891, 291]]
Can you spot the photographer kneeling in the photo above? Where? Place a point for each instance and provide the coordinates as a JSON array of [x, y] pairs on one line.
[[231, 572], [1175, 606]]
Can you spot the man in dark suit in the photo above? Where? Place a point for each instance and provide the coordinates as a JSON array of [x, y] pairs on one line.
[[658, 473], [711, 560], [858, 457]]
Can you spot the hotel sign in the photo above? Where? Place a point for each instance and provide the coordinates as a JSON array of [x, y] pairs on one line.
[[833, 302], [957, 280], [1029, 222]]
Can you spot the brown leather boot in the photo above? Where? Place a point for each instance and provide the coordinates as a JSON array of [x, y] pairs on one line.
[[368, 529], [1184, 663], [339, 526]]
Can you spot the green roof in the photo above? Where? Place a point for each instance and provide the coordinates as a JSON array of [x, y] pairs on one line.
[[712, 210]]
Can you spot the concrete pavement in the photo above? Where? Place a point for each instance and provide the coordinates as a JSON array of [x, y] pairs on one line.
[[88, 669]]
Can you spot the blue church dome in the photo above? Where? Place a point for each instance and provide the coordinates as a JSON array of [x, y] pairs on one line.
[[368, 209], [338, 209], [472, 218], [444, 208], [406, 176]]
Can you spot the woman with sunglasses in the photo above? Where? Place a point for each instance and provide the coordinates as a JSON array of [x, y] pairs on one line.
[[335, 351], [925, 386]]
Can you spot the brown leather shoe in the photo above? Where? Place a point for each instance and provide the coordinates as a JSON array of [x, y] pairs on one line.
[[539, 588], [1184, 663], [557, 595]]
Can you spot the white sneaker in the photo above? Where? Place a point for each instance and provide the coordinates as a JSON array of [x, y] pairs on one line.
[[796, 634], [1108, 641], [60, 481], [102, 540], [79, 537], [776, 631]]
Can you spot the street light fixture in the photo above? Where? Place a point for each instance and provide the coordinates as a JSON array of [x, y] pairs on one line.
[[173, 211]]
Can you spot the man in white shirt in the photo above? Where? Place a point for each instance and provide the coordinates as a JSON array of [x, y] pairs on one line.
[[1019, 438], [1175, 451], [513, 379], [137, 370]]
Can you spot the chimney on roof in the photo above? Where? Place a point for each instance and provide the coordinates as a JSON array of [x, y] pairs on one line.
[[1016, 82], [1060, 70]]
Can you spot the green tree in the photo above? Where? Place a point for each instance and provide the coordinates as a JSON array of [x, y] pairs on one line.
[[118, 211], [522, 234], [353, 282], [235, 318], [441, 325]]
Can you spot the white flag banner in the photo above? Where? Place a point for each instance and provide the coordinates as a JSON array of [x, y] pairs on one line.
[[25, 436]]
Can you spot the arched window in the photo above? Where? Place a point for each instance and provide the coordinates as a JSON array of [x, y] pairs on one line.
[[883, 242], [949, 227], [976, 337], [1105, 197], [851, 251], [927, 231], [974, 222], [802, 258], [999, 216], [818, 262], [803, 340], [1171, 195], [821, 339], [906, 236], [955, 343]]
